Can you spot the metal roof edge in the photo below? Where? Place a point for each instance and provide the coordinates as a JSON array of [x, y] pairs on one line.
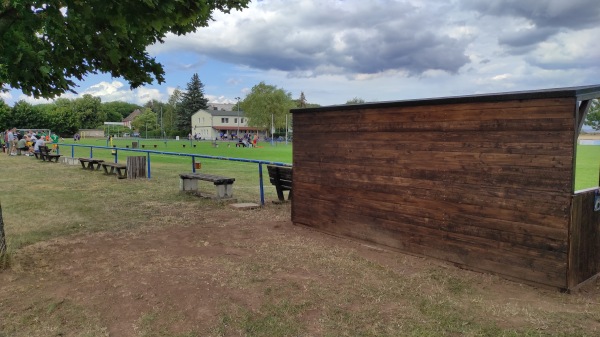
[[580, 92]]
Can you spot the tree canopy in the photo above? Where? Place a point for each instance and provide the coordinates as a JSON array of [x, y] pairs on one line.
[[265, 102], [355, 100], [593, 116], [46, 44], [192, 100], [148, 120], [63, 116]]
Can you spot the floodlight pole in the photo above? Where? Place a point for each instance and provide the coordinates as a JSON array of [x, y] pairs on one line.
[[272, 129]]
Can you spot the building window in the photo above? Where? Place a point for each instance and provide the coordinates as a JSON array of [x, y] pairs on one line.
[[225, 120]]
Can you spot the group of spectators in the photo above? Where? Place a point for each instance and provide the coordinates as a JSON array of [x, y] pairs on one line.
[[247, 141], [27, 143]]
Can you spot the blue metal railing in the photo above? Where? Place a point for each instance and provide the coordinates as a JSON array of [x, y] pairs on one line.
[[116, 150]]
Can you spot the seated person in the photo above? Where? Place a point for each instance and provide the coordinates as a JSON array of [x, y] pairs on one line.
[[22, 146], [38, 143]]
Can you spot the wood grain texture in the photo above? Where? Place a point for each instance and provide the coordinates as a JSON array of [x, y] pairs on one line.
[[486, 185]]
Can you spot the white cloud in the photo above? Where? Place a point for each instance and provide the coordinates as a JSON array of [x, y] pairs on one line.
[[569, 50], [306, 40], [104, 89], [144, 95], [34, 101], [6, 96], [501, 77], [335, 50]]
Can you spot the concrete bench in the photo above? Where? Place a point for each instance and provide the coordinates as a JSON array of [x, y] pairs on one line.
[[223, 185], [90, 163]]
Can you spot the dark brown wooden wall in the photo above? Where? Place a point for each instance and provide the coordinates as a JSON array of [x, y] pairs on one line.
[[584, 252], [485, 185]]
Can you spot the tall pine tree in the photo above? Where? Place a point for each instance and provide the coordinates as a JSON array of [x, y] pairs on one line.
[[192, 101]]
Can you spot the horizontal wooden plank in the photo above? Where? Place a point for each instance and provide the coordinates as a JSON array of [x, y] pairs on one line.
[[564, 137], [522, 222], [449, 249], [493, 125], [490, 211], [554, 248], [428, 169], [410, 145], [422, 175], [441, 158], [438, 181], [454, 113], [341, 191]]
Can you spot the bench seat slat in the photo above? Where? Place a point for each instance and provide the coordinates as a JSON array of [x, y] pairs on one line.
[[281, 177], [217, 180], [117, 165]]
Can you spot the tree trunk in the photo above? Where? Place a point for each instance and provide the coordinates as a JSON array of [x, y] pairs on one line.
[[136, 167], [2, 241]]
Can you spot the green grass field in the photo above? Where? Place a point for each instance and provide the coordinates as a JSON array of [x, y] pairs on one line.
[[280, 152], [587, 166]]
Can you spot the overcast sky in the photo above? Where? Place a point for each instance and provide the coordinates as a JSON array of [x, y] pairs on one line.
[[378, 50]]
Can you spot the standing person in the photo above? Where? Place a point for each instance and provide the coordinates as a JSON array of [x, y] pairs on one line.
[[5, 136], [255, 140], [11, 142], [54, 138]]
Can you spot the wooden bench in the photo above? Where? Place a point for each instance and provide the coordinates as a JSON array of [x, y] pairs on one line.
[[121, 169], [281, 177], [223, 185], [46, 155], [90, 163], [41, 151]]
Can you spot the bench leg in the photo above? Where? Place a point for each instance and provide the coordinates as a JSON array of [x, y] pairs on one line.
[[188, 185], [121, 173], [224, 191], [280, 195]]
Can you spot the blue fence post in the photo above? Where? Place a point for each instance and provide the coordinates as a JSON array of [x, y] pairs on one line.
[[193, 164], [72, 151], [149, 174], [91, 152], [116, 155], [262, 191]]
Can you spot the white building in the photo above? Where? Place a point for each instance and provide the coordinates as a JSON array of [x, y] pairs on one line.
[[212, 124]]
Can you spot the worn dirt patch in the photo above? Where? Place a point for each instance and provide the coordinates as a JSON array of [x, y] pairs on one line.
[[192, 276]]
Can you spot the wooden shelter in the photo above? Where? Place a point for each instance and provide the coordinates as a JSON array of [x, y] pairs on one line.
[[485, 182]]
